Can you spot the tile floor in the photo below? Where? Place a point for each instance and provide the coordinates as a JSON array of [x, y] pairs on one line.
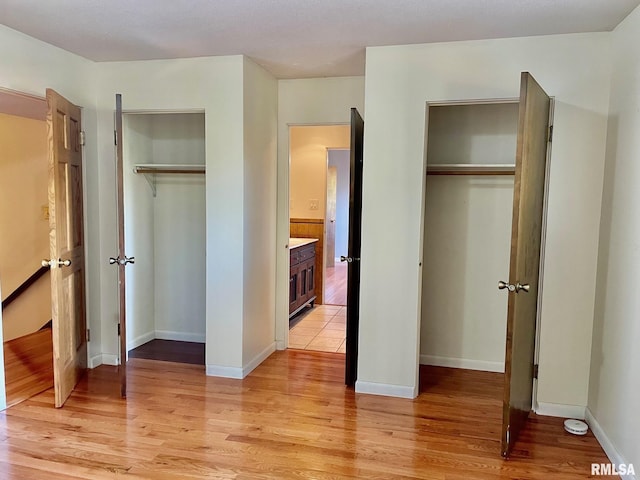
[[321, 329]]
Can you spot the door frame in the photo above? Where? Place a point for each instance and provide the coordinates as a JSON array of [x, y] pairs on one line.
[[485, 101], [543, 244], [283, 219]]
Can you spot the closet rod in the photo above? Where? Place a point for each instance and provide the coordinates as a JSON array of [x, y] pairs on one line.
[[168, 168], [471, 169], [149, 170]]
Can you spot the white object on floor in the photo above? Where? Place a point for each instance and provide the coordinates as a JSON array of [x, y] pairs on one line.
[[576, 427]]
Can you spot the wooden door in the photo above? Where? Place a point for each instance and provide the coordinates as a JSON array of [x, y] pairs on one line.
[[66, 245], [355, 233], [524, 268], [330, 216], [121, 260]]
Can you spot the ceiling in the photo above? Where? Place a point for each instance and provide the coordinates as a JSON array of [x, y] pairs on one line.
[[293, 38]]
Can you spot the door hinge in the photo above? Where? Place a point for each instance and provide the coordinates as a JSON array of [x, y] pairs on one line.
[[535, 371], [88, 335], [550, 133], [118, 329], [115, 137], [82, 139]]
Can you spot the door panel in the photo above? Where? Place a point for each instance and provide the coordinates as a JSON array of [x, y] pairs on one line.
[[355, 233], [121, 263], [528, 209], [66, 245]]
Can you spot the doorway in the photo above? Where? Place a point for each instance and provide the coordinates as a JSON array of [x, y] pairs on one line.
[[318, 214], [24, 221]]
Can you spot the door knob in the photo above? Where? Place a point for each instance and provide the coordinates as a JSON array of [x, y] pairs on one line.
[[502, 285], [513, 288], [348, 259], [121, 261], [56, 263]]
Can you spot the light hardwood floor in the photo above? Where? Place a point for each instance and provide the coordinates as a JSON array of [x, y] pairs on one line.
[[335, 286], [291, 418], [28, 365]]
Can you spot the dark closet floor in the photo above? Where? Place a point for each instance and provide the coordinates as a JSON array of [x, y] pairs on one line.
[[170, 351]]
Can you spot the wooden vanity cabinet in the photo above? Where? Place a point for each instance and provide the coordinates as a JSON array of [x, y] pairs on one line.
[[302, 269]]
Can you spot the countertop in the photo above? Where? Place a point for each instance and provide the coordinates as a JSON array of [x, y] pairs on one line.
[[299, 242]]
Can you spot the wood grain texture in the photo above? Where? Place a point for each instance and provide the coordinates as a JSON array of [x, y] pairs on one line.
[[66, 242], [28, 366], [312, 228], [524, 264], [335, 289], [291, 418]]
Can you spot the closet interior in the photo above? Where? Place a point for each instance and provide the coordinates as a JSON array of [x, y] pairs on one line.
[[470, 158], [164, 203]]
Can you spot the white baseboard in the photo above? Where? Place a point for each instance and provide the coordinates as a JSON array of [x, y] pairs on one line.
[[103, 359], [386, 389], [462, 363], [560, 410], [95, 361], [237, 372], [180, 336], [222, 371], [280, 345], [609, 448], [141, 340], [258, 359]]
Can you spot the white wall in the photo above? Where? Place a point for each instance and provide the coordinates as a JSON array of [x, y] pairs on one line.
[[614, 390], [304, 102], [467, 238], [138, 232], [399, 80], [260, 109], [179, 229], [341, 160], [29, 65]]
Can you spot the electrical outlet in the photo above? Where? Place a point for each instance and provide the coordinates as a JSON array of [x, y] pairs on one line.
[[45, 212], [313, 204]]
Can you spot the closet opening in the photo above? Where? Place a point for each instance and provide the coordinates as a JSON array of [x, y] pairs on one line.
[[164, 224], [470, 157]]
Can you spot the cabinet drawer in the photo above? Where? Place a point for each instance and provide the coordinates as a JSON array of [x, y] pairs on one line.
[[307, 252], [300, 254], [294, 257]]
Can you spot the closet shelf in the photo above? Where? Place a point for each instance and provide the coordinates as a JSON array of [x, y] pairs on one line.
[[150, 170], [470, 169]]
